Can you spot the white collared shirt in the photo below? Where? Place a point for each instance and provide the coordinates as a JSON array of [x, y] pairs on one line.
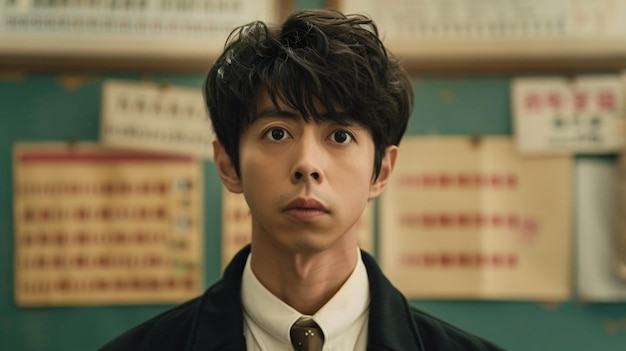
[[343, 319]]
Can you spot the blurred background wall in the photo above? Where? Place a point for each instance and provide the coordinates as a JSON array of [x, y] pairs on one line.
[[65, 106]]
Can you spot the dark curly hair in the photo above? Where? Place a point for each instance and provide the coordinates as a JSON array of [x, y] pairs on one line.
[[315, 55]]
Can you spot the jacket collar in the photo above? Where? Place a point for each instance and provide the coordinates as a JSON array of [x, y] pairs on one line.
[[391, 326], [219, 322], [219, 318]]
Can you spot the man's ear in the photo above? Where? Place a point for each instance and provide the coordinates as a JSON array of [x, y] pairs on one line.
[[225, 169], [386, 169]]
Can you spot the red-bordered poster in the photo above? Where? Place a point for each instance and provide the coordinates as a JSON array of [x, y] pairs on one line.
[[101, 226]]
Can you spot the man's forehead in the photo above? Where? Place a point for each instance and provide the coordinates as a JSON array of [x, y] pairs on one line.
[[276, 106], [278, 100]]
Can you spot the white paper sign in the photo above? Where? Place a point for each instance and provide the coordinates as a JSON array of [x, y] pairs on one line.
[[561, 115], [596, 185], [148, 29], [153, 117]]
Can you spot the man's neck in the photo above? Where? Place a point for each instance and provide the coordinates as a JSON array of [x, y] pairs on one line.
[[304, 281]]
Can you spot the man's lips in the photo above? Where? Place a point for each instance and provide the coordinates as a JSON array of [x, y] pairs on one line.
[[305, 209], [306, 204]]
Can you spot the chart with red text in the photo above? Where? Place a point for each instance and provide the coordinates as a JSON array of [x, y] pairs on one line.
[[114, 30], [237, 226], [470, 218], [98, 226], [569, 115]]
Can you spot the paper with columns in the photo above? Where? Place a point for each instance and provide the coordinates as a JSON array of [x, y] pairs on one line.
[[106, 226], [471, 218]]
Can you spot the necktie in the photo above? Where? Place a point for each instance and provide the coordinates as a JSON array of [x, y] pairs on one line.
[[306, 335]]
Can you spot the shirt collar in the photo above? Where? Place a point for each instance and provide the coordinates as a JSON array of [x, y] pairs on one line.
[[348, 304], [276, 317]]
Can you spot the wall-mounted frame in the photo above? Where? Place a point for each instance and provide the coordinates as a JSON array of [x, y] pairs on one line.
[[180, 35], [462, 35]]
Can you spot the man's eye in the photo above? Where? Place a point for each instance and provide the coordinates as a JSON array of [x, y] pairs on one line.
[[341, 137], [277, 134]]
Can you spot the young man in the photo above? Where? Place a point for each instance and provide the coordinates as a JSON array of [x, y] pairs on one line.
[[308, 117]]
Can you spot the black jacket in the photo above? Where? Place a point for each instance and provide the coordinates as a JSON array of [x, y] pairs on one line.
[[214, 321]]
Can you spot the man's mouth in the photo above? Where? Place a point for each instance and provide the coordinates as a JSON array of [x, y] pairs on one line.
[[305, 209]]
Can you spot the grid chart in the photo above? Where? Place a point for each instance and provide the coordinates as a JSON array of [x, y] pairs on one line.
[[498, 28], [125, 26], [97, 226], [497, 19]]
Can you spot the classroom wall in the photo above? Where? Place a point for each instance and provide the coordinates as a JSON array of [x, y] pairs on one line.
[[62, 108]]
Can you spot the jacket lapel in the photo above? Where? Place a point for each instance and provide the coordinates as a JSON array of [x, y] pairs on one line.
[[219, 320], [391, 326]]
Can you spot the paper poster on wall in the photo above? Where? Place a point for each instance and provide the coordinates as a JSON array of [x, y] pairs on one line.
[[495, 29], [99, 226], [621, 210], [569, 115], [109, 30], [596, 227], [236, 226], [470, 218], [155, 117]]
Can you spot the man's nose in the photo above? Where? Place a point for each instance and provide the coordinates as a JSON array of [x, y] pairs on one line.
[[308, 161], [298, 175]]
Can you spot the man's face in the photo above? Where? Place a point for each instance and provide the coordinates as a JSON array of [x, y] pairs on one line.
[[306, 183]]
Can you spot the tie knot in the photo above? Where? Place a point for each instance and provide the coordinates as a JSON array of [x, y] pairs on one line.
[[306, 335]]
